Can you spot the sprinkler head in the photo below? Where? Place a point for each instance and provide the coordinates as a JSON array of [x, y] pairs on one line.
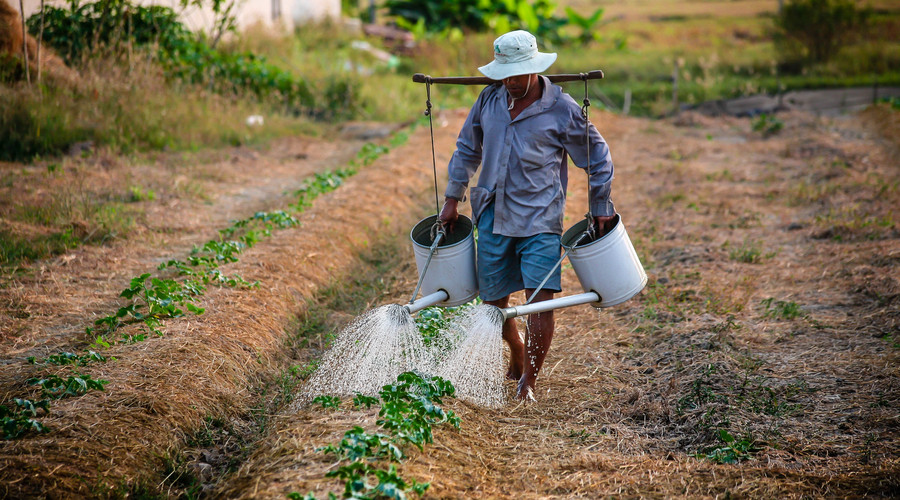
[[399, 314]]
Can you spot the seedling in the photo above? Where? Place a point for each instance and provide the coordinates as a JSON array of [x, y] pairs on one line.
[[75, 385], [431, 320], [68, 358], [20, 419], [408, 412], [332, 402], [781, 309], [767, 125], [732, 452], [361, 400]]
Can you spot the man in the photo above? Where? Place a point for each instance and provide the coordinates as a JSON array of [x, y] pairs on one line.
[[521, 131]]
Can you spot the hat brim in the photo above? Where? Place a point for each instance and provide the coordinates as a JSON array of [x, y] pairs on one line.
[[537, 64]]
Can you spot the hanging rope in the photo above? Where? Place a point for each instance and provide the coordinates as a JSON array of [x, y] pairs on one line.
[[428, 113], [587, 140]]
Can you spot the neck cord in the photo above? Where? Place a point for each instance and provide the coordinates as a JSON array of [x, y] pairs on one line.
[[512, 101]]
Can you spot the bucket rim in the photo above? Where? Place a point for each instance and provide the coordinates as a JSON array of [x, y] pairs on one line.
[[430, 220], [581, 226]]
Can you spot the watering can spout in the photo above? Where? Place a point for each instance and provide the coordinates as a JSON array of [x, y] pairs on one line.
[[426, 301], [549, 305]]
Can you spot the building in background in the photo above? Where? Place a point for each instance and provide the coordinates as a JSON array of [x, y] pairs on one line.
[[280, 14]]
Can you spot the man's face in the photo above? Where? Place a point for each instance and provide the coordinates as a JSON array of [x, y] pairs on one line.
[[517, 85]]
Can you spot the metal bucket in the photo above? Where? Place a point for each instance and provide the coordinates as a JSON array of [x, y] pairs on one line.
[[608, 266], [452, 267]]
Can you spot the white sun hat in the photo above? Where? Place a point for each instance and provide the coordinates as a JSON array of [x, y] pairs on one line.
[[516, 53]]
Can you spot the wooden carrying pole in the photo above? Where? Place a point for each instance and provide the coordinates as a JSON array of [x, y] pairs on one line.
[[483, 80]]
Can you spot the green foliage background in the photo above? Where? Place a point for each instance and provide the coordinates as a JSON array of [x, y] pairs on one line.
[[148, 83]]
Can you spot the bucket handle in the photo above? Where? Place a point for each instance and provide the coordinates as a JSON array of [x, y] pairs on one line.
[[438, 233], [586, 233]]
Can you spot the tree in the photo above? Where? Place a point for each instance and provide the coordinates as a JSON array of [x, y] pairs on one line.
[[820, 27]]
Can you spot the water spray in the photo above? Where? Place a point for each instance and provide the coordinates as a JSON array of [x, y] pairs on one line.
[[385, 341]]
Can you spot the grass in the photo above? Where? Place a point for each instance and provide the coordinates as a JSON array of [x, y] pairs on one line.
[[128, 106], [750, 252]]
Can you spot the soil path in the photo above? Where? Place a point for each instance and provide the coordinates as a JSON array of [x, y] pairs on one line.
[[161, 390], [772, 316], [53, 301]]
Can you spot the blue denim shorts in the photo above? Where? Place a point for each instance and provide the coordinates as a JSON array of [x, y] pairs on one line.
[[508, 264]]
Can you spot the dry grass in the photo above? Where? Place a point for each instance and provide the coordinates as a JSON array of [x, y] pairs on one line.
[[631, 393], [628, 394], [209, 365]]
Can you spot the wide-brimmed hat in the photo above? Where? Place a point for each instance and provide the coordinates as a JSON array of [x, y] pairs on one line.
[[516, 53]]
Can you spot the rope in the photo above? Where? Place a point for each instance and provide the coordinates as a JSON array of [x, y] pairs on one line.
[[428, 113], [587, 140]]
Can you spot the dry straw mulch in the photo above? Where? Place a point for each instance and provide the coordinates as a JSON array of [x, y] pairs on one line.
[[724, 220], [772, 312], [160, 390]]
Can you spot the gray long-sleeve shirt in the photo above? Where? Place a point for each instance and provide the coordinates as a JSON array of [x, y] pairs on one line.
[[524, 161]]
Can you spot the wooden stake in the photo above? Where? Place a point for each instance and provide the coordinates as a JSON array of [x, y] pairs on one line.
[[39, 41], [25, 42], [675, 87]]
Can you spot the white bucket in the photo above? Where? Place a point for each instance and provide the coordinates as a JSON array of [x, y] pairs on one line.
[[608, 266], [452, 268]]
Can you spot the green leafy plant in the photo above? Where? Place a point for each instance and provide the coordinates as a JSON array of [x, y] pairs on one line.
[[114, 26], [408, 412], [139, 194], [152, 300], [781, 309], [437, 16], [820, 27], [319, 184], [587, 24], [361, 400], [74, 385], [328, 402], [304, 372], [767, 125], [750, 253], [68, 358], [432, 320], [21, 417], [408, 408], [731, 451]]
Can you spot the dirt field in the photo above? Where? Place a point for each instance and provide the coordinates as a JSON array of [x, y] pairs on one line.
[[772, 313]]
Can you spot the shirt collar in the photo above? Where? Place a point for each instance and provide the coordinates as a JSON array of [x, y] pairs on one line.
[[548, 97]]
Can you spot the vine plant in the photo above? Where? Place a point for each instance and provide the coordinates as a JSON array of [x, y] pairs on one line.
[[150, 300], [409, 410]]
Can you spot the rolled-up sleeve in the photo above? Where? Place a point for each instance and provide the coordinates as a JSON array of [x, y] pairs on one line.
[[601, 165], [467, 157]]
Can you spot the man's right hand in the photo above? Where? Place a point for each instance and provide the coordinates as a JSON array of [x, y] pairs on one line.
[[449, 214]]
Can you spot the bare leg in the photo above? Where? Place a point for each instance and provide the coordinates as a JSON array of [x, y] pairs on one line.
[[540, 334], [511, 336]]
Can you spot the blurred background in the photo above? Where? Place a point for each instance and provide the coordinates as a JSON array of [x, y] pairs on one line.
[[192, 74]]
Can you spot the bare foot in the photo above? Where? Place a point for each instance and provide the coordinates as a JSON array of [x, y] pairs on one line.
[[526, 395], [525, 391], [513, 373]]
